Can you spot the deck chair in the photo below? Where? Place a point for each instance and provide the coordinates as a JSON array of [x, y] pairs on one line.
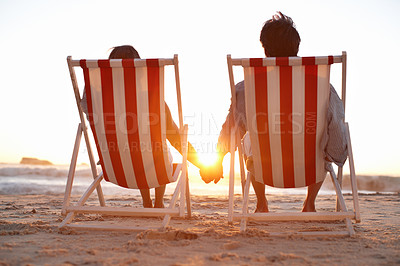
[[126, 112], [286, 103]]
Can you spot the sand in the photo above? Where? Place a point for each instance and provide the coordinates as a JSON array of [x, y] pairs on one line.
[[29, 235]]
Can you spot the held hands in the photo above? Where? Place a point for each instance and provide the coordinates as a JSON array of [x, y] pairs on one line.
[[212, 173]]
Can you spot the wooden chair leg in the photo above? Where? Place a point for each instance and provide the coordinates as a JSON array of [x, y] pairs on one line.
[[245, 210], [188, 202], [353, 176], [340, 181], [342, 204], [182, 195], [177, 192], [241, 164], [184, 171], [93, 165], [71, 172], [231, 179], [83, 199]]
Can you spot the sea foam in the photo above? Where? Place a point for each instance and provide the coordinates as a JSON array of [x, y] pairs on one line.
[[33, 179]]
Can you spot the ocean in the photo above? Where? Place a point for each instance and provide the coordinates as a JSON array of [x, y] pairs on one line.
[[21, 179]]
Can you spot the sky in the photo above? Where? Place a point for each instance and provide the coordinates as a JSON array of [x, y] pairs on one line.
[[39, 117]]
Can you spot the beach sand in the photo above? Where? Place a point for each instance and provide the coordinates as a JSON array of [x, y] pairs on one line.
[[29, 235]]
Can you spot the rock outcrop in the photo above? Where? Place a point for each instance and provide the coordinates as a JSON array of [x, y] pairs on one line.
[[35, 161]]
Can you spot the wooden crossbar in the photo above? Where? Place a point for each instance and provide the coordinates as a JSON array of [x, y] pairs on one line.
[[117, 62], [98, 227], [311, 234], [123, 211], [293, 61], [304, 216]]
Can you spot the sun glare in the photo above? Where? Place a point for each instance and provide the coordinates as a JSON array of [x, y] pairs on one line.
[[208, 159]]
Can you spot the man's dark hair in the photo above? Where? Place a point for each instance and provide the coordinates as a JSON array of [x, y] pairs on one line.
[[279, 36]]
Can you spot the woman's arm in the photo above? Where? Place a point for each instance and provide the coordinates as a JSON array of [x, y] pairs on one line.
[[175, 139]]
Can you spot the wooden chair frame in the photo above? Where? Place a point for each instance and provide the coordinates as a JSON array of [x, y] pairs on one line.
[[341, 213], [180, 194]]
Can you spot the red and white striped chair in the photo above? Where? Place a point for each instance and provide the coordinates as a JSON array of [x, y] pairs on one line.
[[286, 104], [126, 111]]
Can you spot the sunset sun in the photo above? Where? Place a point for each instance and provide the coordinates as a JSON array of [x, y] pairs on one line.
[[208, 159]]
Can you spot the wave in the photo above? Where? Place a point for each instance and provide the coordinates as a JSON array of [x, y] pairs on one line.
[[24, 179], [9, 170], [376, 183]]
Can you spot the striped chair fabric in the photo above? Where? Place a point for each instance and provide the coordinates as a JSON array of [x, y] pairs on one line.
[[125, 99], [286, 105]]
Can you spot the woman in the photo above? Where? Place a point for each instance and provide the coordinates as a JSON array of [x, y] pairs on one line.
[[173, 136]]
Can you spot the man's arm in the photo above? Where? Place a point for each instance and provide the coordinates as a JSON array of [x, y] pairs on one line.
[[235, 121], [334, 139]]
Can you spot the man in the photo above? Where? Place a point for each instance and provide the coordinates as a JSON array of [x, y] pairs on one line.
[[280, 38]]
